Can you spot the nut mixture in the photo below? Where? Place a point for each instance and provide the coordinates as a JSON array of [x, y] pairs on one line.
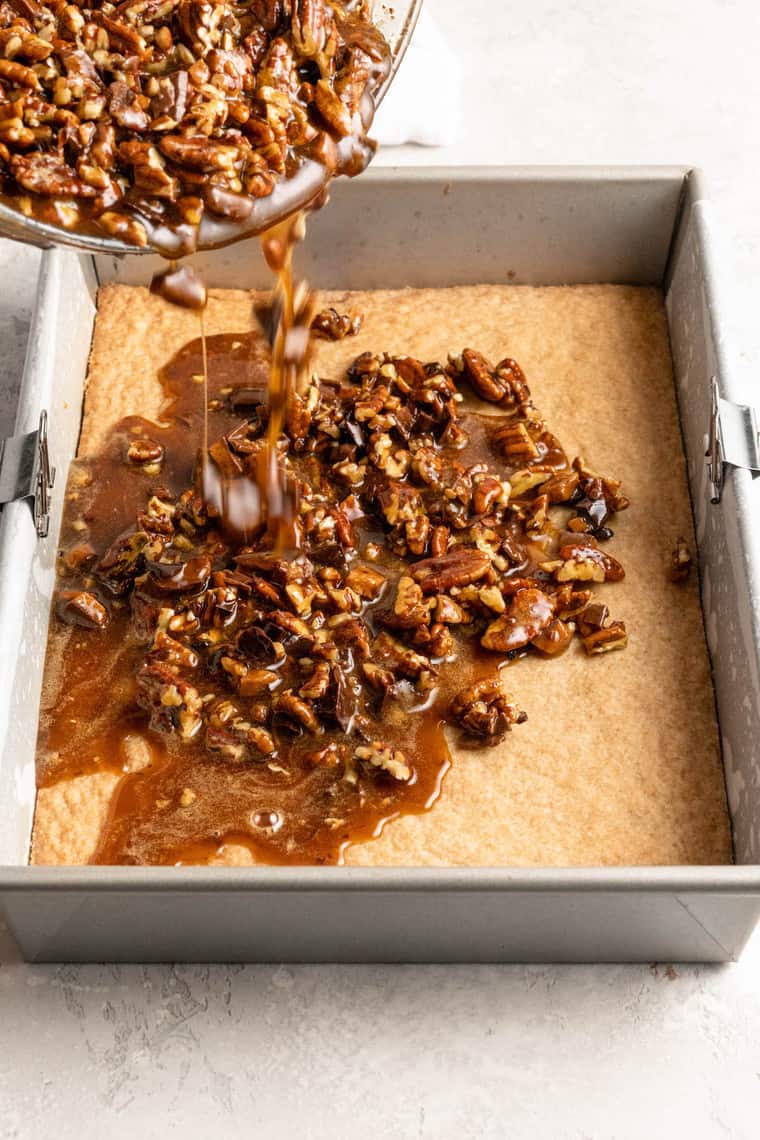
[[428, 535], [148, 118]]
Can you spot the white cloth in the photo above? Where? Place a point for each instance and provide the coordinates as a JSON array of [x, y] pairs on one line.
[[423, 102]]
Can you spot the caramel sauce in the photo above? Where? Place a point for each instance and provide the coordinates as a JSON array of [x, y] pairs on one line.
[[245, 504]]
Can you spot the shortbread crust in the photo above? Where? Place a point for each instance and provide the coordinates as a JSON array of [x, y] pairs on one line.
[[619, 761]]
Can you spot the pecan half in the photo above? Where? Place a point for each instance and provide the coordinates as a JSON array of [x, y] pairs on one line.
[[504, 385], [459, 567]]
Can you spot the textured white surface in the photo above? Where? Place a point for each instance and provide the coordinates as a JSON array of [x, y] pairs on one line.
[[539, 1052], [418, 108]]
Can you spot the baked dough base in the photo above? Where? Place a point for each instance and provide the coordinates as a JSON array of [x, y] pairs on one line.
[[619, 761]]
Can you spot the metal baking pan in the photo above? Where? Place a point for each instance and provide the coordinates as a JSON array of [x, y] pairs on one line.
[[395, 228]]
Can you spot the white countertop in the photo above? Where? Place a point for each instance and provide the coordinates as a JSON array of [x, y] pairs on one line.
[[629, 1052]]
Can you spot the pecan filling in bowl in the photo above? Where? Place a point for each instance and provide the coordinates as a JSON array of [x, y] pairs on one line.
[[177, 123], [296, 703]]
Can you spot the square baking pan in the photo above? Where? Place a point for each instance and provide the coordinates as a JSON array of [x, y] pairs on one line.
[[393, 228]]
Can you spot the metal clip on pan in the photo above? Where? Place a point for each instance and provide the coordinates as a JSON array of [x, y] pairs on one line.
[[732, 441], [25, 473]]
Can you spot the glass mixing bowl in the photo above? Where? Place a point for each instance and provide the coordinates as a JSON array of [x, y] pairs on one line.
[[396, 21]]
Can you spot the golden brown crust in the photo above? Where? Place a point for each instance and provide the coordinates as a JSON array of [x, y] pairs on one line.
[[619, 761]]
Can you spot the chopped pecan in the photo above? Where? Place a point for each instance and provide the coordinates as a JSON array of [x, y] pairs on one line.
[[399, 502], [332, 108], [529, 613], [561, 488], [366, 582], [612, 636], [331, 756], [174, 705], [427, 465], [188, 577], [489, 493], [149, 171], [448, 611], [571, 602], [126, 109], [594, 616], [537, 516], [317, 684], [435, 639], [257, 681], [417, 533], [344, 600], [484, 710], [587, 564], [24, 44], [17, 74], [378, 676], [351, 633], [410, 608], [554, 639], [234, 737], [383, 756], [329, 324], [439, 541], [125, 558], [79, 607], [290, 708], [604, 486], [515, 443], [680, 562], [526, 479], [312, 25], [492, 598], [400, 658], [145, 453], [288, 624], [174, 652]]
